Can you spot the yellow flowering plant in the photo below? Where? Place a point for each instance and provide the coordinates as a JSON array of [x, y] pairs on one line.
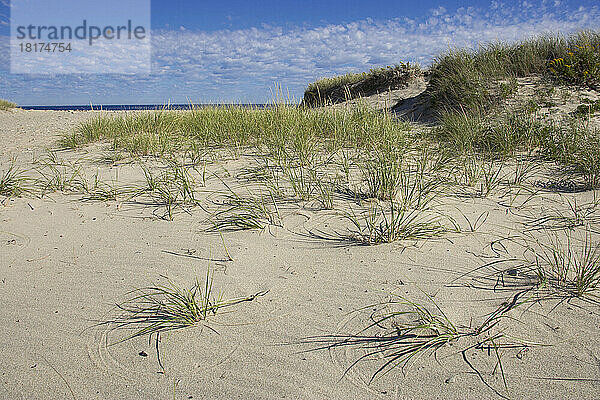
[[581, 65]]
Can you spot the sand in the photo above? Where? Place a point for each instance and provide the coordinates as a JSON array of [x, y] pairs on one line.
[[65, 262]]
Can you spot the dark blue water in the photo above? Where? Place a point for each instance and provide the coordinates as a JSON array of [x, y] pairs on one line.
[[137, 107]]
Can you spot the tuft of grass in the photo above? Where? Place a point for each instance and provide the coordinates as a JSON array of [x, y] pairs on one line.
[[239, 213], [13, 182], [402, 331], [96, 189], [408, 214], [588, 109], [173, 188], [383, 174], [575, 216], [578, 145], [162, 308], [381, 224], [564, 264], [570, 269], [6, 105], [59, 175]]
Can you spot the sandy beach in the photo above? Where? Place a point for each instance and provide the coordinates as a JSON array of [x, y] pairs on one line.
[[66, 261]]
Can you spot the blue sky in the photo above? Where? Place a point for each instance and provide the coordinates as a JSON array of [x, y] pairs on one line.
[[236, 51]]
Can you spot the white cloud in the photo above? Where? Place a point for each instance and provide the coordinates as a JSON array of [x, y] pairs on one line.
[[242, 65]]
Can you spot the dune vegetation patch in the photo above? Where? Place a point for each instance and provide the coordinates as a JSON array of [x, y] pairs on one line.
[[350, 86], [6, 105]]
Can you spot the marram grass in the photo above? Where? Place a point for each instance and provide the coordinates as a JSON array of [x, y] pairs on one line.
[[6, 105], [162, 308], [164, 132]]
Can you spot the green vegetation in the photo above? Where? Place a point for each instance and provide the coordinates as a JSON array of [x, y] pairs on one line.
[[470, 81], [157, 309], [467, 80], [569, 268], [6, 105], [581, 63], [162, 308], [173, 188], [376, 178], [350, 86], [401, 331], [241, 213], [464, 80], [13, 181], [163, 132], [588, 108]]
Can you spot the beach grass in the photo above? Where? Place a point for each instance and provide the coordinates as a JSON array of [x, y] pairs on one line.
[[400, 331], [173, 188], [6, 105], [340, 88], [162, 308], [164, 132], [471, 80], [569, 264], [14, 182]]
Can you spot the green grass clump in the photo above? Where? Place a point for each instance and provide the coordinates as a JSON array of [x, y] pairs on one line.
[[240, 213], [568, 268], [173, 188], [350, 86], [401, 331], [588, 109], [577, 145], [391, 222], [501, 134], [163, 308], [14, 182], [407, 189], [6, 105]]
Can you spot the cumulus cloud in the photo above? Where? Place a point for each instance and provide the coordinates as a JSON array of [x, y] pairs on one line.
[[242, 65]]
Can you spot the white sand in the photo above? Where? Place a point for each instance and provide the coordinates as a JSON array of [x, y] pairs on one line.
[[64, 263]]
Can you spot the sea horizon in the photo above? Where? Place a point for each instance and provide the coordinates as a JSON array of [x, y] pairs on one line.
[[135, 107]]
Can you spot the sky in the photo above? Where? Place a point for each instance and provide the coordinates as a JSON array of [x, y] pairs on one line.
[[242, 51]]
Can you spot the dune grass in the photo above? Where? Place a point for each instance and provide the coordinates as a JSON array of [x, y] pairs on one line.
[[470, 80], [164, 132], [352, 85], [242, 213], [473, 80], [401, 331], [174, 188], [6, 105], [162, 308], [569, 265], [560, 260], [14, 182]]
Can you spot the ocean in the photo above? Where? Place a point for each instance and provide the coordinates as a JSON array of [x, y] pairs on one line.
[[137, 107]]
